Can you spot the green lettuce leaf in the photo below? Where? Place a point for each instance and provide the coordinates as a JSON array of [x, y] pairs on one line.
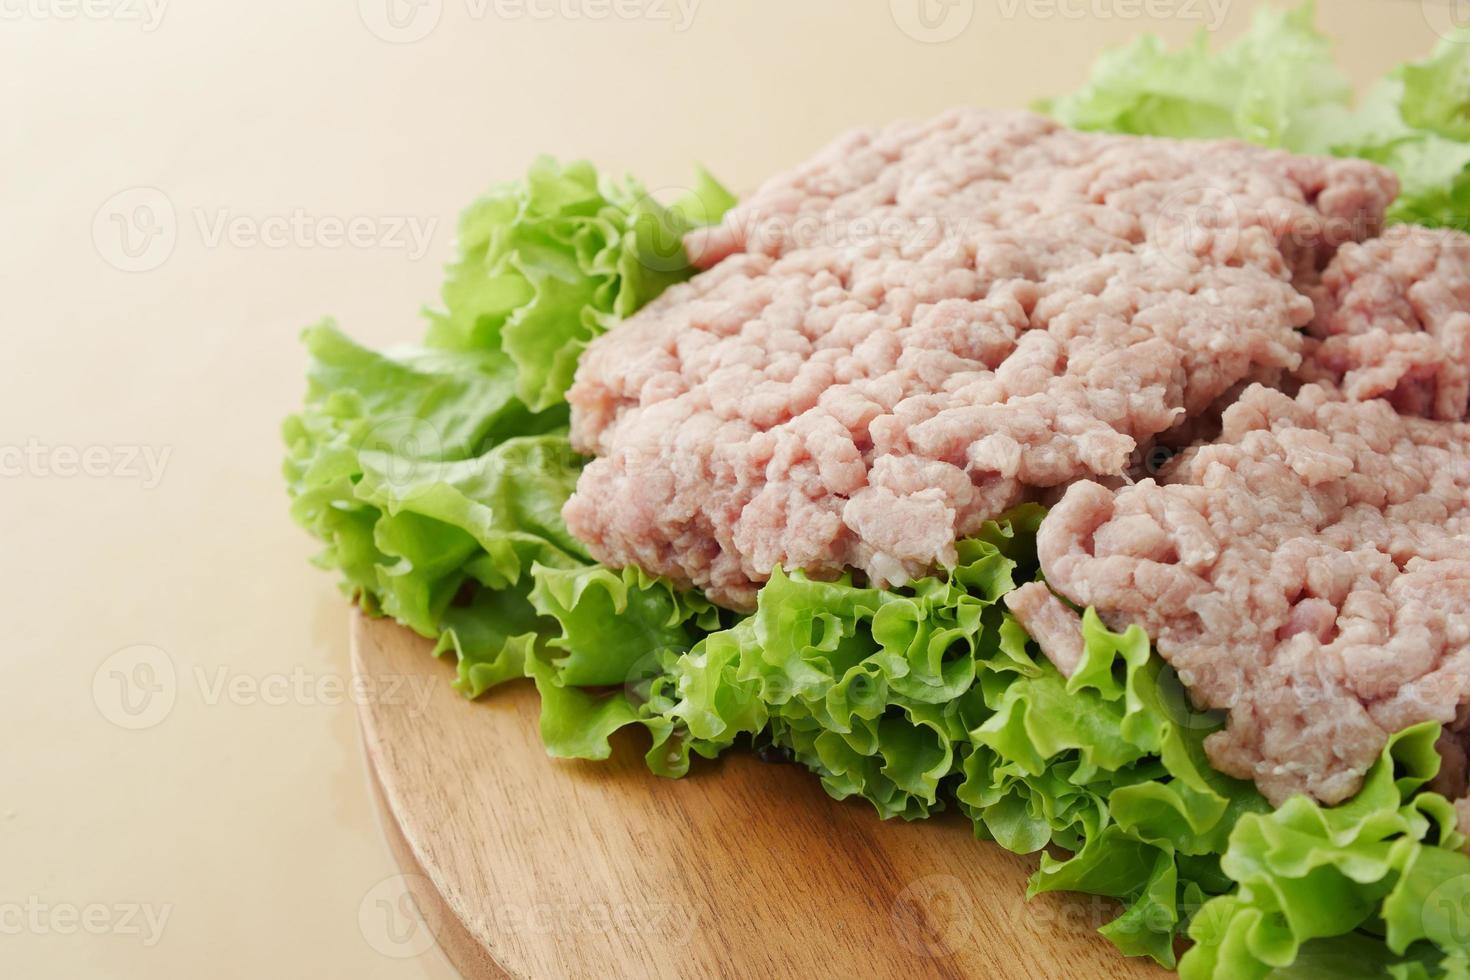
[[550, 262], [409, 414], [1279, 86], [489, 518], [1386, 864], [918, 696], [1421, 132], [387, 465], [873, 689], [1436, 91], [491, 633], [615, 624], [1109, 764], [435, 475], [606, 664]]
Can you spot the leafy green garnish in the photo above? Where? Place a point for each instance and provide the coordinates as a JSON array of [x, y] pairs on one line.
[[550, 262], [1279, 86], [435, 477], [1386, 863]]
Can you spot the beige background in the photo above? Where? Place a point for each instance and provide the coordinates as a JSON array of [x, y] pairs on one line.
[[241, 810]]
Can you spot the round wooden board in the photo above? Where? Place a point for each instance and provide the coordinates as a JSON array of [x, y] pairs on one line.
[[535, 867]]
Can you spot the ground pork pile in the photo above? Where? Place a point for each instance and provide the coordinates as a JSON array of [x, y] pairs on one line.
[[1393, 321], [1309, 572], [929, 323]]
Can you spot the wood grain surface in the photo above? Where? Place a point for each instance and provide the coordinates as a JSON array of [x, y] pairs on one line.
[[532, 867]]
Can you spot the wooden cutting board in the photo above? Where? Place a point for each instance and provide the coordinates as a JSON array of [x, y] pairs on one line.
[[532, 867]]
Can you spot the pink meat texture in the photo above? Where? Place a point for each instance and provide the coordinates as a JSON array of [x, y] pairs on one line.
[[1048, 621], [927, 324], [1393, 321], [1309, 572]]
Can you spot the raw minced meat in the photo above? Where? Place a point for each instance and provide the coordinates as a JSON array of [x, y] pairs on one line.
[[927, 324], [1393, 321], [1309, 572], [1048, 621]]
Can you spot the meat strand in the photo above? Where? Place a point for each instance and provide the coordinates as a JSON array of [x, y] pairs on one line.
[[1054, 627]]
